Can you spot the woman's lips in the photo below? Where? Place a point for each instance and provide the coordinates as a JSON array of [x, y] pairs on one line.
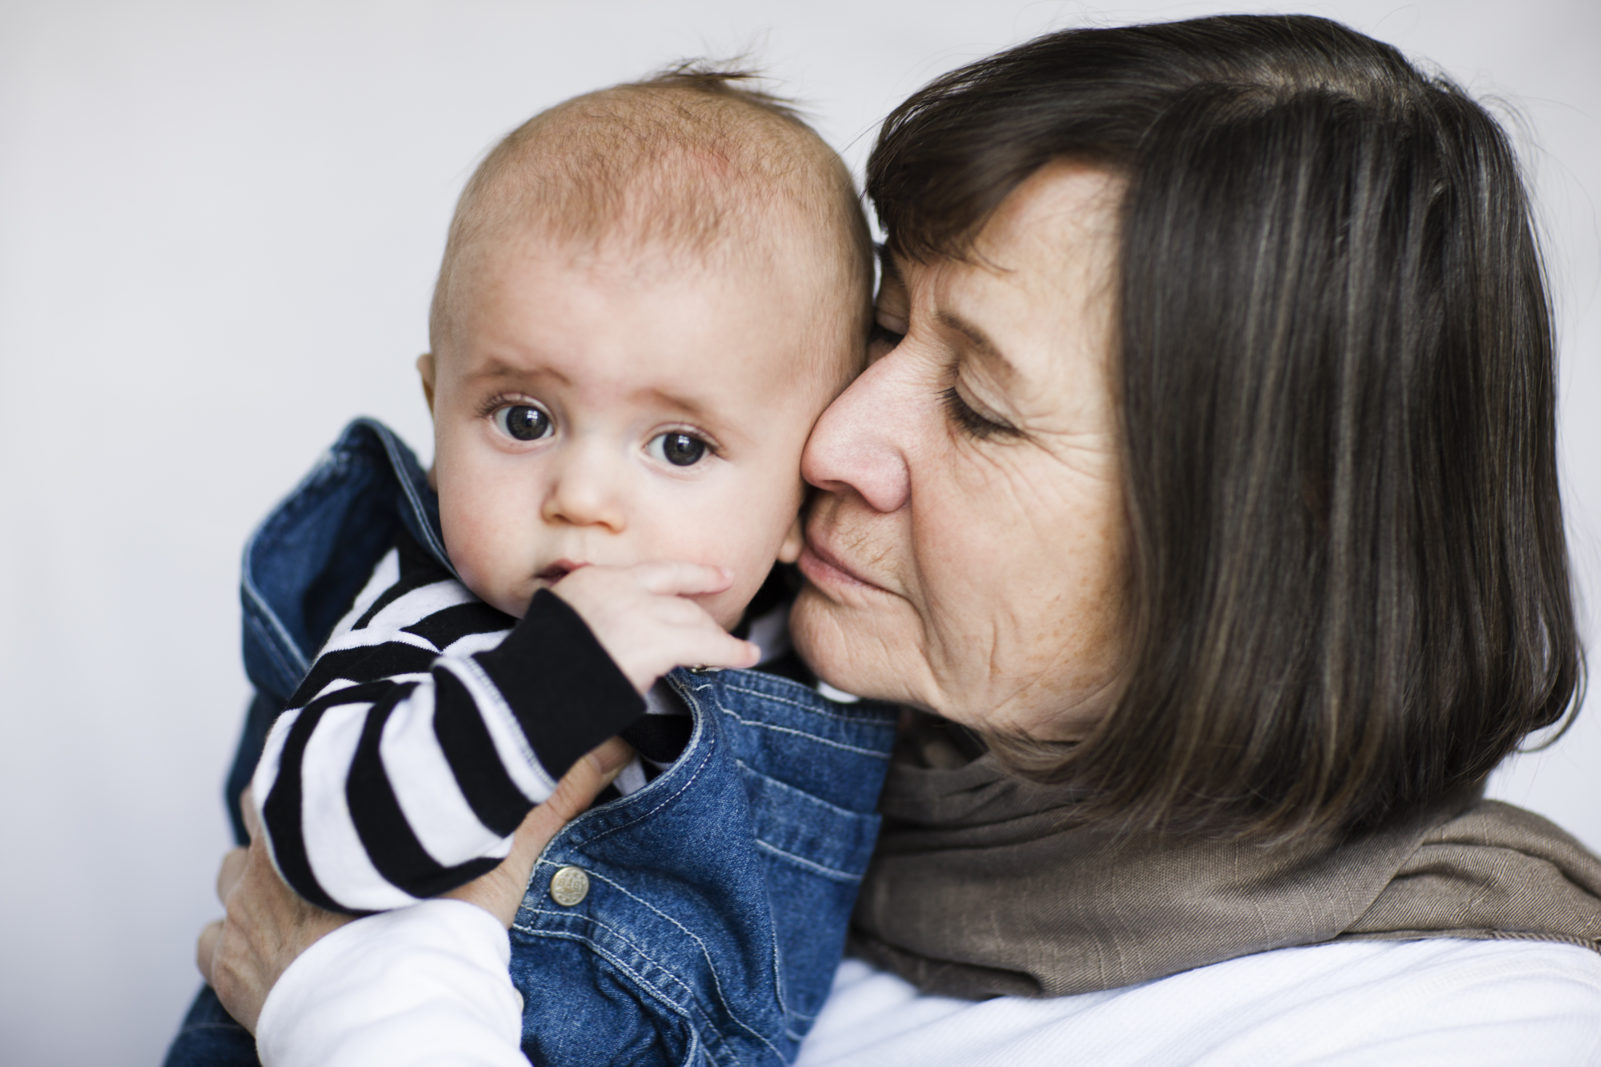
[[822, 566]]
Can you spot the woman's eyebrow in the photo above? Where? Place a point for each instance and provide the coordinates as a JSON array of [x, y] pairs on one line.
[[980, 345]]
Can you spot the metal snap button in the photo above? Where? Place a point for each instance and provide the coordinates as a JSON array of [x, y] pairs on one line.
[[569, 886]]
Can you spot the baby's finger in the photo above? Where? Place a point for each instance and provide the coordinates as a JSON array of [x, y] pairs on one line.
[[714, 648], [676, 578]]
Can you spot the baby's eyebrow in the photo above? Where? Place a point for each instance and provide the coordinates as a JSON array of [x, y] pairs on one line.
[[731, 424], [694, 408], [496, 369]]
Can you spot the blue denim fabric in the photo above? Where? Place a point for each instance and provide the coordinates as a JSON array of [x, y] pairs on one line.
[[716, 898]]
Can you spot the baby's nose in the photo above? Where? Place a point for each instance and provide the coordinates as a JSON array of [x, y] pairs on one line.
[[586, 490]]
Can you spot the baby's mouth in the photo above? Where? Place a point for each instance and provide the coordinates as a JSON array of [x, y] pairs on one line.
[[557, 571]]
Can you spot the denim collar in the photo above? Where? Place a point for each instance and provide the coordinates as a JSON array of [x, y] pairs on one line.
[[309, 558]]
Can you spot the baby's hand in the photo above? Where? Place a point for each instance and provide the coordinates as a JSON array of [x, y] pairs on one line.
[[644, 619]]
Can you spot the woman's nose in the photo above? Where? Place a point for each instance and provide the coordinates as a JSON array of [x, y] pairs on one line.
[[585, 488], [860, 442]]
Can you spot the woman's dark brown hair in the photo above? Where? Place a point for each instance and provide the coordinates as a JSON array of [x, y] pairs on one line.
[[1350, 594]]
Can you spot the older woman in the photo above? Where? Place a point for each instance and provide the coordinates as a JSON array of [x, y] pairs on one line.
[[1201, 500]]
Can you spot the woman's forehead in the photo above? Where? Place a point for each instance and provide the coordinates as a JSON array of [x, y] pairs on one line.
[[1041, 273], [1066, 211], [1063, 217]]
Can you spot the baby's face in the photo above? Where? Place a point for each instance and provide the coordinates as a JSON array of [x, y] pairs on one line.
[[596, 413]]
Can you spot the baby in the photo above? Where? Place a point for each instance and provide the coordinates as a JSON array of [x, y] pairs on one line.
[[648, 295]]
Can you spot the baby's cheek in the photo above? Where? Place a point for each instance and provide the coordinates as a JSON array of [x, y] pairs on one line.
[[466, 555], [469, 574]]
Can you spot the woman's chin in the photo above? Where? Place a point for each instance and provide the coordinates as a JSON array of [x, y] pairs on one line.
[[829, 638]]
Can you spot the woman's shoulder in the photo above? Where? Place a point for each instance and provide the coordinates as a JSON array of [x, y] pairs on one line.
[[1445, 1001]]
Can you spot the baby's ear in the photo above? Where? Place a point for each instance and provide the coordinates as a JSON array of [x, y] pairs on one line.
[[425, 369], [790, 550]]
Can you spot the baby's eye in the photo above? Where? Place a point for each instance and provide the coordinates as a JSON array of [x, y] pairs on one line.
[[522, 422], [679, 448]]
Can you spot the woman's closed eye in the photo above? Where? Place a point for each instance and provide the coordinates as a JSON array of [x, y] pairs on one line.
[[970, 420]]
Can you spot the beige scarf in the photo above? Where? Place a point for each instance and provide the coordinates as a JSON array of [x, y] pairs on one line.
[[982, 886]]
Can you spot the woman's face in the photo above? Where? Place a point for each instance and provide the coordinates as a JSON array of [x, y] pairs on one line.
[[967, 553]]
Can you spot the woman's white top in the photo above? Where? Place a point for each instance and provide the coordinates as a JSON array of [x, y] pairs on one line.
[[427, 985]]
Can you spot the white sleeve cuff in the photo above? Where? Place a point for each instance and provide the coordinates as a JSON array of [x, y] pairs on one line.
[[426, 984]]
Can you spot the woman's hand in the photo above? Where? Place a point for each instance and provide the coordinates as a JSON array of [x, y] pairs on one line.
[[501, 891], [266, 926]]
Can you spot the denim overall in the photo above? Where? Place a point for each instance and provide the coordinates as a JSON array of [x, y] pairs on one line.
[[698, 920]]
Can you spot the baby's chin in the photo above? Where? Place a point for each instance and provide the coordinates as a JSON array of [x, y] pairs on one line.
[[510, 602]]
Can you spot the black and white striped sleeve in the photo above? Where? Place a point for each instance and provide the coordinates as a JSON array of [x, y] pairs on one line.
[[425, 731]]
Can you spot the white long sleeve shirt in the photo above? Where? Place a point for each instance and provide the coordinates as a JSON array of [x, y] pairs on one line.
[[427, 985]]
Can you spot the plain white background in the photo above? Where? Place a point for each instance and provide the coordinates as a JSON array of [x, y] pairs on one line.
[[219, 225]]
